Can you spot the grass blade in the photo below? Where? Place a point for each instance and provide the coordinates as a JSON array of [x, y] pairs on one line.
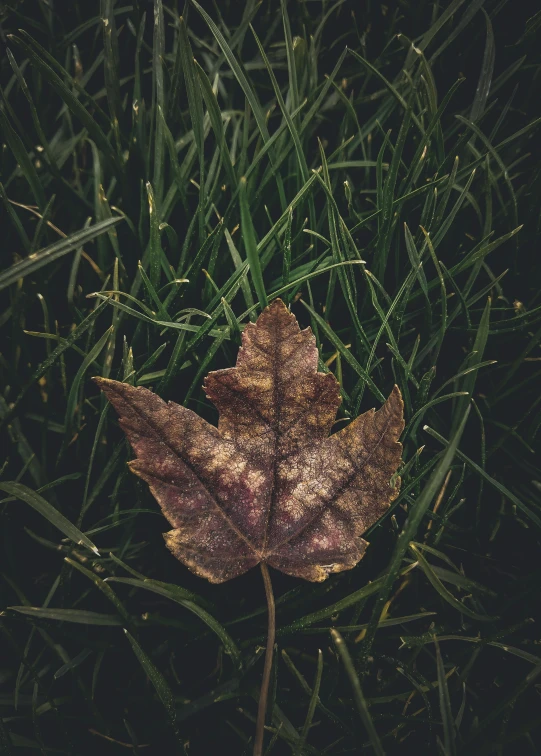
[[358, 696], [250, 245], [179, 596], [79, 616], [37, 502], [44, 256], [409, 530], [160, 686]]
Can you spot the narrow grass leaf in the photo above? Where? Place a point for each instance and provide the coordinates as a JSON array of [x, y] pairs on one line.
[[22, 158], [73, 396], [415, 517], [37, 502], [358, 695], [449, 733], [485, 76], [492, 481], [79, 616], [161, 687], [442, 590], [44, 63], [179, 596], [37, 260], [250, 246], [312, 705]]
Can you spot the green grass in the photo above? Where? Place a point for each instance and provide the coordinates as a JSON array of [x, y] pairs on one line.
[[162, 179]]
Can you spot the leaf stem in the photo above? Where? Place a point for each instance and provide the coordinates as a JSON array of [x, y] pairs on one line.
[[271, 634]]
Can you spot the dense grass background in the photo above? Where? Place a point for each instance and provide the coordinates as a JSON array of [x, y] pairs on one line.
[[393, 182]]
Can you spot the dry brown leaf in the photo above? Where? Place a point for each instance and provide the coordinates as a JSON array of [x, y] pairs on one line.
[[269, 485]]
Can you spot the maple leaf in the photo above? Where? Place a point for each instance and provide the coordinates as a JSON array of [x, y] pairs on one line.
[[269, 485]]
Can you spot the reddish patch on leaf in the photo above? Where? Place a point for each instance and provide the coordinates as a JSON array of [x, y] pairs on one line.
[[269, 484]]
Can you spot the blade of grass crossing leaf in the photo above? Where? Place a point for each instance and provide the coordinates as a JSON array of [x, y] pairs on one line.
[[161, 687], [37, 502], [358, 695]]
